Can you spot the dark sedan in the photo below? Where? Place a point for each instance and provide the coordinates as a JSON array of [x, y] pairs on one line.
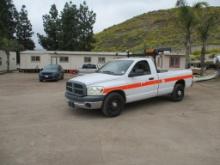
[[51, 72]]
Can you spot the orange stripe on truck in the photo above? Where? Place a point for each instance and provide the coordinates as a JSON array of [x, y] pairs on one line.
[[178, 78], [147, 83], [152, 82], [123, 87]]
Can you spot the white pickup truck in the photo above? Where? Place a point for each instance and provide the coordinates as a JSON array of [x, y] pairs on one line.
[[123, 81]]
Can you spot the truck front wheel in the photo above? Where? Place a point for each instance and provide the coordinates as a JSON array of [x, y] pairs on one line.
[[178, 92], [113, 105]]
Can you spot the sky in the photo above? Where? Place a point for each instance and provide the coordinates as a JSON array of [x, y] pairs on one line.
[[108, 12]]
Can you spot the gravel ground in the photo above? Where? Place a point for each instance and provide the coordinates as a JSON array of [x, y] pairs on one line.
[[38, 128]]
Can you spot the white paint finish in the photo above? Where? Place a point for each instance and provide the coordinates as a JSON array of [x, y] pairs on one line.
[[26, 63], [96, 79], [163, 61], [134, 94], [76, 59], [143, 92], [167, 87], [12, 59]]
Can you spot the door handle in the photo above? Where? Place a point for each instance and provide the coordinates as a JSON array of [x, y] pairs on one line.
[[151, 78]]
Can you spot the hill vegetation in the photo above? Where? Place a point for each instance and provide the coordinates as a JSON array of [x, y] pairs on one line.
[[150, 30]]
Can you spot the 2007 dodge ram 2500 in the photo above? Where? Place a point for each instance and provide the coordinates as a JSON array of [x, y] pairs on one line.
[[123, 81]]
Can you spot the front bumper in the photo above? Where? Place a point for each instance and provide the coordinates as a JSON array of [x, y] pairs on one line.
[[51, 77], [86, 102]]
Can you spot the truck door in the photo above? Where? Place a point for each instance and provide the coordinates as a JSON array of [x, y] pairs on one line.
[[145, 83]]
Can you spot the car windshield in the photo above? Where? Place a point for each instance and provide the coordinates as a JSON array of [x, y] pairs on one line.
[[116, 67], [51, 68]]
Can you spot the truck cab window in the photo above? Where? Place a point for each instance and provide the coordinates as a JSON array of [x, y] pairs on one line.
[[141, 66]]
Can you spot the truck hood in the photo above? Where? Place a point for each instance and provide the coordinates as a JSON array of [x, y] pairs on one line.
[[94, 78]]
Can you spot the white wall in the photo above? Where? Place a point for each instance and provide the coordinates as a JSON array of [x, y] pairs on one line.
[[3, 65], [164, 62], [75, 61], [26, 63]]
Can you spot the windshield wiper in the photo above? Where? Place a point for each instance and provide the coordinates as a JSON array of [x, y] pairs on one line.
[[107, 72]]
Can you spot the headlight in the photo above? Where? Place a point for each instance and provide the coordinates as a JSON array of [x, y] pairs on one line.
[[94, 90]]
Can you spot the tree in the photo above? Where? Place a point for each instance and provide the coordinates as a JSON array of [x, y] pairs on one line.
[[70, 27], [206, 23], [86, 21], [8, 21], [186, 19], [8, 14], [71, 30], [24, 30], [51, 23]]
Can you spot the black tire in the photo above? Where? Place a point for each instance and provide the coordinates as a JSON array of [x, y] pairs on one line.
[[178, 92], [113, 105], [40, 80]]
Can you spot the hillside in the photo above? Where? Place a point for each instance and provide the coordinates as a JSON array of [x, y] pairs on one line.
[[153, 29]]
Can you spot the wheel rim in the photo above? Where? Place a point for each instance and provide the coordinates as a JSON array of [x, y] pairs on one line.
[[179, 93], [114, 105]]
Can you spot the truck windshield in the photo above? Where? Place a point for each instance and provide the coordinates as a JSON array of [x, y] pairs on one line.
[[115, 67]]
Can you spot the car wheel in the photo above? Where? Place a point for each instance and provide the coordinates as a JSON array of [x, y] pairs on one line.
[[178, 92], [113, 105], [40, 80]]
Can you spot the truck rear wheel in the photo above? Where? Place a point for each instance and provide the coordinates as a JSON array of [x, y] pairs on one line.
[[113, 105], [178, 92]]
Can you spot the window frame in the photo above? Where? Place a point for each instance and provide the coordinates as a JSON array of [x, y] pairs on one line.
[[35, 58], [101, 61], [174, 62], [64, 61], [87, 61]]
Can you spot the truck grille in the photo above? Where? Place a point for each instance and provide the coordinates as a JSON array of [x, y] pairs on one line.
[[76, 88]]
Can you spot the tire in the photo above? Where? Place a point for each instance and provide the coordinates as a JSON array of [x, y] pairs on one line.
[[40, 80], [113, 105], [178, 92]]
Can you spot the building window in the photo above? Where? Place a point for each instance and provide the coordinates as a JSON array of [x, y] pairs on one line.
[[0, 60], [87, 59], [64, 59], [101, 60], [174, 62], [35, 58]]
